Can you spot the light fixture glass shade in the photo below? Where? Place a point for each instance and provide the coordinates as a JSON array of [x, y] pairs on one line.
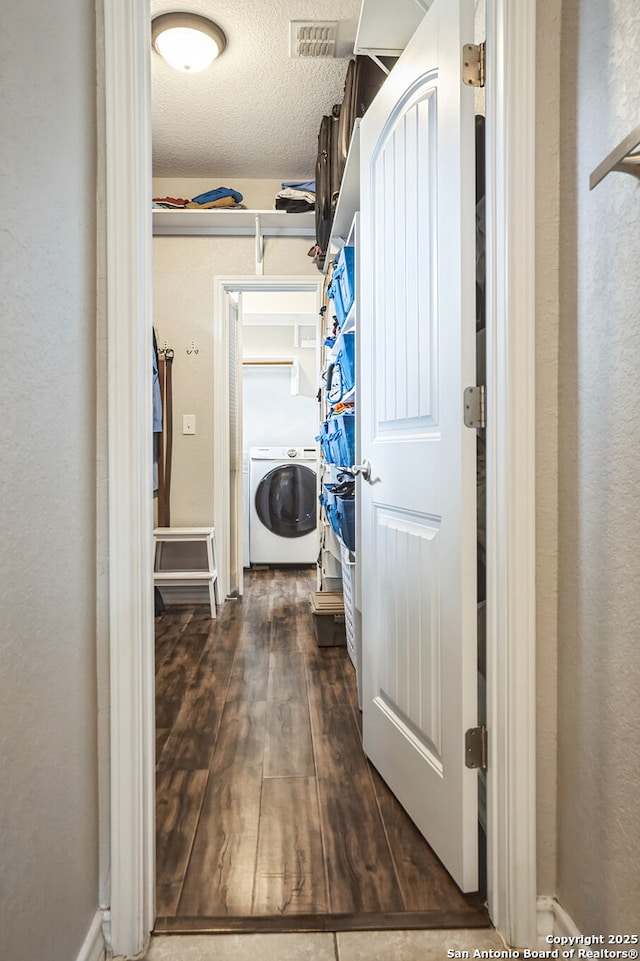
[[187, 41]]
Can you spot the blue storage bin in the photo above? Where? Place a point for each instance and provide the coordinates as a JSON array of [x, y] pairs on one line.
[[324, 500], [331, 440], [330, 507], [338, 501], [334, 440], [346, 440], [330, 498], [341, 374], [337, 438], [342, 288], [346, 511], [323, 440]]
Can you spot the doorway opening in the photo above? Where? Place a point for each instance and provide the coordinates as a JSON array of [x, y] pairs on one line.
[[273, 364], [127, 827], [231, 467]]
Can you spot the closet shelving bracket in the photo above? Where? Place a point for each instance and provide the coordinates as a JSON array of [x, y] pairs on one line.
[[259, 247], [625, 158]]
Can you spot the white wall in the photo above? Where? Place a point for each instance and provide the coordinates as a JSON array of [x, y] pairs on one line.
[[599, 378], [272, 416], [48, 712]]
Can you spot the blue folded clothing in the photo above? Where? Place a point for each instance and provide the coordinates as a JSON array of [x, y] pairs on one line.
[[217, 194], [300, 185]]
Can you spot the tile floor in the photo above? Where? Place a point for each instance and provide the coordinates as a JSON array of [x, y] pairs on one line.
[[345, 946]]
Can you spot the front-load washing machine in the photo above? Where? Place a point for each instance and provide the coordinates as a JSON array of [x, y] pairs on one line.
[[283, 508]]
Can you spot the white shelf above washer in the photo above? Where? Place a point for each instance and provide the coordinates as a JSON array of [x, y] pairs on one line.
[[292, 362], [230, 223]]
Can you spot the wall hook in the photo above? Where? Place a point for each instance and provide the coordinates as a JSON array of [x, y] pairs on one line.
[[624, 159], [192, 349]]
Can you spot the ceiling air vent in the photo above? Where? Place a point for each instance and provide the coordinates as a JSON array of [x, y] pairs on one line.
[[310, 38]]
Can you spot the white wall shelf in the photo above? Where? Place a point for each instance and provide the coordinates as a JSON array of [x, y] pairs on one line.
[[385, 34], [286, 362], [232, 223], [349, 196], [350, 320]]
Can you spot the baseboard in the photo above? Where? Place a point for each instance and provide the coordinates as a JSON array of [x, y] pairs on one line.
[[93, 948], [553, 920]]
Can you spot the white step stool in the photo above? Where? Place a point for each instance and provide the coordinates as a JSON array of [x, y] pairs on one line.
[[188, 578]]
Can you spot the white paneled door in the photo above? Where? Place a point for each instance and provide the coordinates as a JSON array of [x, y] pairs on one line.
[[418, 509]]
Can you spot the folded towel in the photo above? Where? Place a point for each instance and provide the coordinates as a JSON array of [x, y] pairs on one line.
[[291, 193], [221, 202], [170, 201]]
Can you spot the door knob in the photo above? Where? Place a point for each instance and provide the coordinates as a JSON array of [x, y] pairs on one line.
[[364, 469]]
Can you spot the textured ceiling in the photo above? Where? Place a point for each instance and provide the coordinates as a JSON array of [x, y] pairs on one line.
[[255, 113]]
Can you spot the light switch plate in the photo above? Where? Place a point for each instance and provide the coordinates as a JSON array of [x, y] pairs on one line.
[[188, 423]]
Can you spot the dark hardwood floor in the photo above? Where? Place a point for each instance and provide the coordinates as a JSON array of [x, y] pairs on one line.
[[269, 816]]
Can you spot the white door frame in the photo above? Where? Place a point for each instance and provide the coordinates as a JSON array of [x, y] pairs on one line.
[[233, 309], [124, 176], [511, 556], [123, 198], [224, 286]]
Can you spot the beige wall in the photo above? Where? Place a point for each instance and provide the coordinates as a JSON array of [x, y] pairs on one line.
[[587, 358], [48, 712], [183, 295], [599, 572], [547, 310]]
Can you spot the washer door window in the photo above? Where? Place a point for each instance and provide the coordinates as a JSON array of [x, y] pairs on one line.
[[286, 500]]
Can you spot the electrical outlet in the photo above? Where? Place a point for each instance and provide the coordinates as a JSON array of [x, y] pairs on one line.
[[188, 423]]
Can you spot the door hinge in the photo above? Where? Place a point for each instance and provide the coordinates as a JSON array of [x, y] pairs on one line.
[[475, 747], [475, 407], [473, 64]]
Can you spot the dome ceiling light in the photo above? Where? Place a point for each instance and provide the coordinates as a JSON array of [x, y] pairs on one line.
[[187, 41]]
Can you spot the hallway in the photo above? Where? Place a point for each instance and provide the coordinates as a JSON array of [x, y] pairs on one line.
[[269, 817]]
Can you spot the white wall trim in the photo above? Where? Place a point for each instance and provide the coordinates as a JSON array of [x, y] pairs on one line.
[[128, 312], [511, 639], [93, 947], [225, 287], [554, 920]]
